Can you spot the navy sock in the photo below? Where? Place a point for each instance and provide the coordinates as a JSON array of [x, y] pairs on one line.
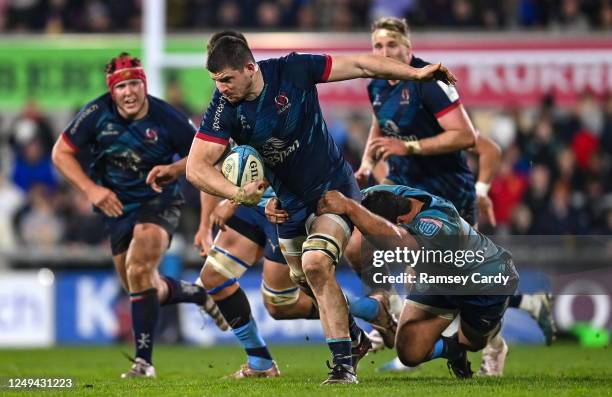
[[237, 311], [365, 308], [446, 348], [515, 301], [341, 350], [354, 330], [182, 291], [145, 312]]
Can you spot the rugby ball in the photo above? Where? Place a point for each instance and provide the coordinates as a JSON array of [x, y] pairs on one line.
[[243, 165]]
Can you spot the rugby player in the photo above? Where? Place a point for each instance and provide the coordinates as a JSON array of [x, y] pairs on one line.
[[272, 105], [245, 237], [421, 129], [133, 138], [399, 216]]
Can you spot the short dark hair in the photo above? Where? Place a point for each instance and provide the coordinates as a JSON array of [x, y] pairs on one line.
[[215, 37], [228, 52], [386, 204], [121, 61]]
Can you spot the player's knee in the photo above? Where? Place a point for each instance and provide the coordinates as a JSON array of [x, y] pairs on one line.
[[410, 350], [316, 266], [224, 263], [149, 241], [211, 278], [138, 271], [279, 302], [410, 353], [410, 359], [277, 312]]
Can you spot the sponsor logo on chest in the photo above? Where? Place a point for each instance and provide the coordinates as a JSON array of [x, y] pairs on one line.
[[275, 151], [282, 103], [151, 136], [109, 130]]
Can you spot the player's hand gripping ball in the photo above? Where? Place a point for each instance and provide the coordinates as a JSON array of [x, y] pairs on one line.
[[243, 165]]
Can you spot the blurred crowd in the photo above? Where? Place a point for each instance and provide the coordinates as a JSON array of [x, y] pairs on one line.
[[555, 177], [96, 16]]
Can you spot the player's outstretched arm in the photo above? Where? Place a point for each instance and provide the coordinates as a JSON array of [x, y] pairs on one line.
[[381, 232], [347, 67], [63, 157]]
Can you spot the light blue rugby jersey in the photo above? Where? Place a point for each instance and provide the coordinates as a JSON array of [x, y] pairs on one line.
[[438, 226]]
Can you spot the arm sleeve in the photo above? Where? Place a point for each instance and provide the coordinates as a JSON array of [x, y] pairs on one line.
[[217, 121], [433, 231], [309, 69], [81, 131], [439, 98]]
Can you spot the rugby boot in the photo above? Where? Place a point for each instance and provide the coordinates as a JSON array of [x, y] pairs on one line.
[[140, 369], [377, 341], [541, 311], [461, 367], [247, 372], [340, 374], [493, 359], [385, 322]]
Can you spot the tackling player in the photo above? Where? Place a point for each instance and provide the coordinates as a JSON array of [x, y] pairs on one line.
[[421, 130], [133, 139], [273, 106], [399, 216]]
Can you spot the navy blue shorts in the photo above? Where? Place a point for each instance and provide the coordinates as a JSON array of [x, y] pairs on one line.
[[251, 222], [296, 225], [481, 312], [162, 212]]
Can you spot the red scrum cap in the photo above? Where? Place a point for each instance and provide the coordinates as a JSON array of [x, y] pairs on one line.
[[122, 68]]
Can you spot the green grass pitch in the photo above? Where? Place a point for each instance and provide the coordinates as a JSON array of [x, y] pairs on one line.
[[561, 370]]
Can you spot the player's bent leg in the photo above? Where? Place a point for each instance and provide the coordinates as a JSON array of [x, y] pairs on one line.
[[411, 344], [328, 235], [418, 331], [148, 243], [229, 258], [282, 297]]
